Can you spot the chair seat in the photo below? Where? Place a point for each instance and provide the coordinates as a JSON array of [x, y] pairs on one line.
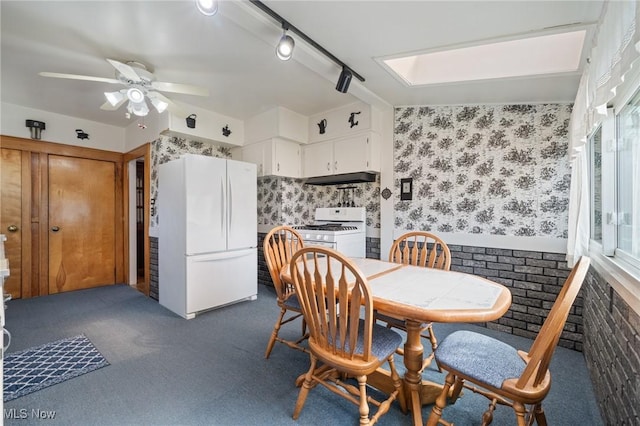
[[292, 303], [480, 358], [384, 341]]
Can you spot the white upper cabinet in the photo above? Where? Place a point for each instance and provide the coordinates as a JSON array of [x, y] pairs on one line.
[[273, 157], [357, 153], [318, 159], [208, 127], [277, 122]]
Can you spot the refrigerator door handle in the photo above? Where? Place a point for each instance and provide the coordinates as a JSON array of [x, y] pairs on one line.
[[230, 200], [222, 206]]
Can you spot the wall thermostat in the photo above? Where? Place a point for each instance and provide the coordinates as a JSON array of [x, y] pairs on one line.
[[406, 189]]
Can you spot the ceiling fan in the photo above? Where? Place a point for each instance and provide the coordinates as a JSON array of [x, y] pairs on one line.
[[140, 86]]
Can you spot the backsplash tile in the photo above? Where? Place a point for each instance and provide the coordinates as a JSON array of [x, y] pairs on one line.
[[289, 201]]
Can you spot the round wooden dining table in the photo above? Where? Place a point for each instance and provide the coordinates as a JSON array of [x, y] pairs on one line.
[[419, 295]]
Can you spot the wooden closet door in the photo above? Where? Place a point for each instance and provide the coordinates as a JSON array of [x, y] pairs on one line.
[[82, 214], [11, 217]]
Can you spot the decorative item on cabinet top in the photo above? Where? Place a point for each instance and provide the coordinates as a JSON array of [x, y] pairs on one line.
[[191, 121], [322, 126], [82, 134], [36, 127], [352, 119]]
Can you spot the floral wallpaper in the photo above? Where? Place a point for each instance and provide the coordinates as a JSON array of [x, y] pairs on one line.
[[289, 201], [501, 170], [169, 148], [491, 169]]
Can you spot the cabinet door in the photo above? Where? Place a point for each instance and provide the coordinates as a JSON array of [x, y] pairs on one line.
[[254, 153], [352, 154], [318, 159], [286, 156]]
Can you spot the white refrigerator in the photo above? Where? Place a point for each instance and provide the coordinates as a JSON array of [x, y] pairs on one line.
[[207, 216]]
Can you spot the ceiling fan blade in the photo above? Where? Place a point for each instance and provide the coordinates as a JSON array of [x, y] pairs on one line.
[[180, 88], [125, 70], [177, 110], [171, 106], [80, 77]]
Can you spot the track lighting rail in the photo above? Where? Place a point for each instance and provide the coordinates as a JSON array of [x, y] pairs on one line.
[[288, 26]]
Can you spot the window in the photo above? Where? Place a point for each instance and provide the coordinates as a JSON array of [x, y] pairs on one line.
[[628, 182], [595, 144]]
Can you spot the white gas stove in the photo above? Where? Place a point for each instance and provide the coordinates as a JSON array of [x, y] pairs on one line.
[[340, 228]]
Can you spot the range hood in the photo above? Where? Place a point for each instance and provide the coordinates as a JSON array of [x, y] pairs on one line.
[[357, 177]]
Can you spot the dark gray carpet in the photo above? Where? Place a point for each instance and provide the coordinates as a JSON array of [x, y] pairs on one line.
[[166, 370]]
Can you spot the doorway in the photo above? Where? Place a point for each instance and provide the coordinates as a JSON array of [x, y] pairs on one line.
[[137, 164]]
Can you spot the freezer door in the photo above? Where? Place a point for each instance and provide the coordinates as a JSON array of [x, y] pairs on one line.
[[243, 209], [219, 279], [206, 210]]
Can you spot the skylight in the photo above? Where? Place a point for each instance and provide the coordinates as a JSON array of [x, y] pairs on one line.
[[547, 54]]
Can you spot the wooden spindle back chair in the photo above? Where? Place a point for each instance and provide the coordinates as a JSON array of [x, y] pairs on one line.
[[419, 248], [501, 373], [343, 336], [279, 246]]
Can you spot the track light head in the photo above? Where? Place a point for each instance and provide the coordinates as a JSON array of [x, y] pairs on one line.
[[207, 7], [344, 80], [284, 49]]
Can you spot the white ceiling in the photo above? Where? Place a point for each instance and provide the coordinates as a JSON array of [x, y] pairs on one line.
[[232, 53]]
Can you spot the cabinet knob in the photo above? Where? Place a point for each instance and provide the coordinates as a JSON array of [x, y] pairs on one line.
[[328, 166], [335, 165], [55, 228], [12, 228]]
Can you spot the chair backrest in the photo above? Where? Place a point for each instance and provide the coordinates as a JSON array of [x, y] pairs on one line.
[[541, 351], [333, 293], [421, 248], [279, 246]]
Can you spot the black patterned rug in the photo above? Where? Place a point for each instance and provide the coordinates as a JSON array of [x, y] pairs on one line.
[[42, 366]]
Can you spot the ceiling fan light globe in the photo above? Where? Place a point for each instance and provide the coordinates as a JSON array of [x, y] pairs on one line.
[[140, 109], [284, 50], [207, 7], [159, 105], [135, 95], [114, 98]]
